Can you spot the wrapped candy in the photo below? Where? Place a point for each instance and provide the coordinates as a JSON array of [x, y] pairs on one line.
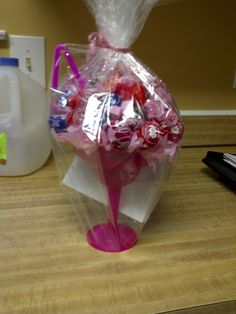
[[120, 120]]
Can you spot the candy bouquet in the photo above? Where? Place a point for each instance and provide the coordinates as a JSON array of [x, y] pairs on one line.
[[119, 119]]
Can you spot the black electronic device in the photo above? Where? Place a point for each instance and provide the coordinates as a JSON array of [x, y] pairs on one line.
[[224, 164]]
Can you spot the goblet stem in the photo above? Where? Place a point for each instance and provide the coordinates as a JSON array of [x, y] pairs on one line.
[[114, 204]]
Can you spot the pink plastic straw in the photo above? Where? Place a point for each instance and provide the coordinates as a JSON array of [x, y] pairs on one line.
[[56, 62]]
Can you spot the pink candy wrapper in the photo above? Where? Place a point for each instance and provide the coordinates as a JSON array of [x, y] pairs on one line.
[[115, 127]]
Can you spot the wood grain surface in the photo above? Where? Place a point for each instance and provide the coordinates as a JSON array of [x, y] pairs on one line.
[[217, 308], [186, 256], [209, 131]]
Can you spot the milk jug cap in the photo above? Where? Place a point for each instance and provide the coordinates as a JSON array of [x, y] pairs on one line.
[[6, 61]]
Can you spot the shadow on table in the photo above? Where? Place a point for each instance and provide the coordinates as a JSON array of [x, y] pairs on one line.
[[218, 178]]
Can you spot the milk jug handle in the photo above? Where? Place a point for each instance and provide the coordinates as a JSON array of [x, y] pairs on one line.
[[61, 48], [14, 94]]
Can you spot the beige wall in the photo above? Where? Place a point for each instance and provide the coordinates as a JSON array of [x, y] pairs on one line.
[[191, 44]]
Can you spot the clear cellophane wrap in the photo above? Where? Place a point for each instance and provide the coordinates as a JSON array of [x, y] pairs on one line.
[[115, 126]]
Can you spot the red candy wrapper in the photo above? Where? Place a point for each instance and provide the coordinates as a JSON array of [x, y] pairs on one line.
[[115, 126]]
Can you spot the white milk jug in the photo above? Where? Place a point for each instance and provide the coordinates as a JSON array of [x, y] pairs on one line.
[[23, 121]]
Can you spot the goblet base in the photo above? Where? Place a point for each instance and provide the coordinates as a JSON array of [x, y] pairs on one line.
[[105, 237]]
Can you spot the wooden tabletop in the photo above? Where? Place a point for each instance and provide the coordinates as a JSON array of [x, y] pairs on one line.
[[185, 258]]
